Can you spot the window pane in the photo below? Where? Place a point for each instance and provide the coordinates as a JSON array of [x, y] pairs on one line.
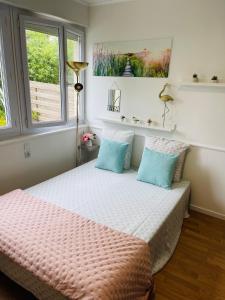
[[73, 54], [44, 72], [4, 122]]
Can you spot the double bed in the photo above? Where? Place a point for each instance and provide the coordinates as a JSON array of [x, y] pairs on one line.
[[118, 201]]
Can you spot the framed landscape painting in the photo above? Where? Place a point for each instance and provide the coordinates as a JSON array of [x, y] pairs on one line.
[[146, 58]]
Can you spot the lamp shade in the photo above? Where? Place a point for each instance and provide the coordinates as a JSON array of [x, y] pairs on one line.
[[77, 66]]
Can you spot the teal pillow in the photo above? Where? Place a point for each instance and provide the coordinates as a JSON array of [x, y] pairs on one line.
[[157, 168], [111, 156]]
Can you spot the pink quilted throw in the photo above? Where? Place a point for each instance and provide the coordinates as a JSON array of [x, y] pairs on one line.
[[76, 256]]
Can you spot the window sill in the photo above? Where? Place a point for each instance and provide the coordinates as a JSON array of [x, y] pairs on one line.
[[23, 138]]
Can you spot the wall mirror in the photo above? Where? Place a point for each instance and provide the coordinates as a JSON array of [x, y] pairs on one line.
[[114, 99]]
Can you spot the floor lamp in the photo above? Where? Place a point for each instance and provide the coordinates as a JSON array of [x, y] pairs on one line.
[[77, 66]]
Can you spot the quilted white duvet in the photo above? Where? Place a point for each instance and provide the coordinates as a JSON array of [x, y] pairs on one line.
[[118, 201]]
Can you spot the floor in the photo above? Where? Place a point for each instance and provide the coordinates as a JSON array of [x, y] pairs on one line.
[[195, 272], [11, 291], [197, 269]]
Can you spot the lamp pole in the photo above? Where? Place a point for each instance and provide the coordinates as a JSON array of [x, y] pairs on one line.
[[78, 88], [77, 66]]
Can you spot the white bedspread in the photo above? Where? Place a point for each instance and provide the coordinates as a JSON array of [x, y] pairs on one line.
[[121, 202], [118, 201]]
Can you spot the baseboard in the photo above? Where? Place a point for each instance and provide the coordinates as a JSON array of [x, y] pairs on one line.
[[208, 212]]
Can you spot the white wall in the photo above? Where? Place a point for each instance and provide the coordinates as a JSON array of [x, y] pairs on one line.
[[66, 9], [51, 154], [198, 32]]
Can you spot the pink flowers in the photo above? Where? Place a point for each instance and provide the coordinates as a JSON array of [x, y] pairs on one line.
[[88, 137]]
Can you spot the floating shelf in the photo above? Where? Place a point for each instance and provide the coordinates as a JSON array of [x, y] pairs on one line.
[[202, 84], [142, 126]]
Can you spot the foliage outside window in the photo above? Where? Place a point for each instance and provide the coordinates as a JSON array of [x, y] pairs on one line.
[[2, 107], [43, 61], [44, 75], [3, 121]]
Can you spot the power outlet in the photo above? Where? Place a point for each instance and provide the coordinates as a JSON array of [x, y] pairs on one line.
[[27, 152]]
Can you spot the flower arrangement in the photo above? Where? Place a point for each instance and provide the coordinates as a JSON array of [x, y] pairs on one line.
[[88, 137]]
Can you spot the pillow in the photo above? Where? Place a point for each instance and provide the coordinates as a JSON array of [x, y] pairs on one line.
[[157, 168], [111, 156], [171, 147], [122, 136]]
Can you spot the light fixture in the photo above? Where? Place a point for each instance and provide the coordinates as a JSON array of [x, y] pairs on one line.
[[165, 99], [77, 66]]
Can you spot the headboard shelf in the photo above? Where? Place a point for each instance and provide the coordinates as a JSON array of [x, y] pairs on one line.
[[138, 125]]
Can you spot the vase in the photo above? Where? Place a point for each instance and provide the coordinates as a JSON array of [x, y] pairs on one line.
[[89, 143]]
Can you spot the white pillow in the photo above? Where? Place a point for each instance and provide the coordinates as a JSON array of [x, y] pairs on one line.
[[123, 136], [172, 147]]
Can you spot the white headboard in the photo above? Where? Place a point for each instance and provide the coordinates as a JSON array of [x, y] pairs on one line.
[[139, 138]]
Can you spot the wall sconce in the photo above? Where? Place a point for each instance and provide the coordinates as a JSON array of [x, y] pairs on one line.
[[165, 99]]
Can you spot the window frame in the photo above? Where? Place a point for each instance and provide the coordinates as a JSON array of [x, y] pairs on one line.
[[7, 63], [59, 27]]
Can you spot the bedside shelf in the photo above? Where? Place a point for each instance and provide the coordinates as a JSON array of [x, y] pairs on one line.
[[130, 124], [202, 84]]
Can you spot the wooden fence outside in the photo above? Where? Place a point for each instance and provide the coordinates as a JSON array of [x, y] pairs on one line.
[[46, 101]]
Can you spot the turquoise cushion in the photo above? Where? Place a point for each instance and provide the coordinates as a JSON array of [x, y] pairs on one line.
[[157, 168], [111, 156]]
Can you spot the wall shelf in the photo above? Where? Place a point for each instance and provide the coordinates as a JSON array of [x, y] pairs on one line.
[[202, 84], [141, 126]]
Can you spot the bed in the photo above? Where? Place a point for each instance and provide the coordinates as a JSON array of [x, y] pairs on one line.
[[118, 201]]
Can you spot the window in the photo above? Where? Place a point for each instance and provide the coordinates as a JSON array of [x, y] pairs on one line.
[[50, 95], [45, 97], [42, 44]]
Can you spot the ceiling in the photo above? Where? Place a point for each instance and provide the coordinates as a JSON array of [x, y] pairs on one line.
[[99, 2]]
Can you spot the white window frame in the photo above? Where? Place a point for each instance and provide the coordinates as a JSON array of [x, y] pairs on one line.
[[37, 21], [8, 70]]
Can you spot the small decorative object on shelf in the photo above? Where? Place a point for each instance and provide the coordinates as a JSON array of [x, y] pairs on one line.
[[88, 138], [122, 118], [149, 122], [144, 125], [214, 79], [195, 77], [135, 120]]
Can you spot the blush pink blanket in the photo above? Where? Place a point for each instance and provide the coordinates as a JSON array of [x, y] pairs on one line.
[[75, 256]]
